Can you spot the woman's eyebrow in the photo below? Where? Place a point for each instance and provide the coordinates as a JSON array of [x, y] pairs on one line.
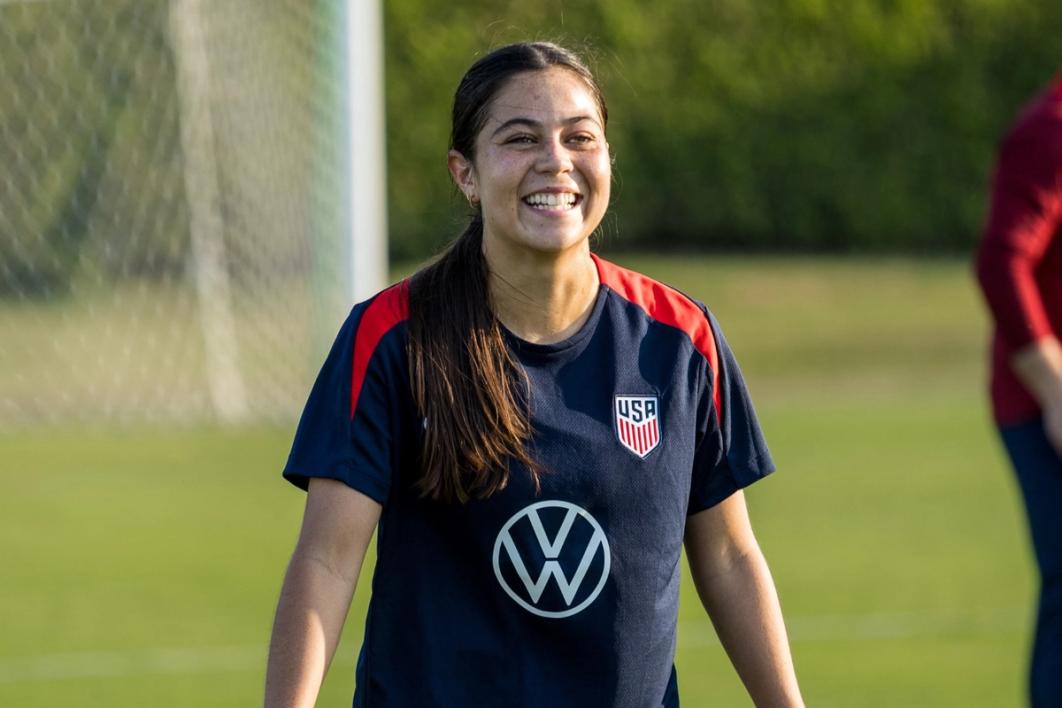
[[537, 124]]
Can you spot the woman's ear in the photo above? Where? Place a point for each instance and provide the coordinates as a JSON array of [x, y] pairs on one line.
[[464, 175]]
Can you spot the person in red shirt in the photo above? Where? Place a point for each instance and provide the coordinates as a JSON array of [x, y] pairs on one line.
[[1019, 266]]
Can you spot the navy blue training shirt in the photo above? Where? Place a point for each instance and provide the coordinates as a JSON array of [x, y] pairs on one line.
[[568, 597]]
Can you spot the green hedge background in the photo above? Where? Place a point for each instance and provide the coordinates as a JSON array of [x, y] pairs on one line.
[[793, 125]]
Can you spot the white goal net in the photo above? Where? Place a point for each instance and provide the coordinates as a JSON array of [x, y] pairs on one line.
[[173, 216]]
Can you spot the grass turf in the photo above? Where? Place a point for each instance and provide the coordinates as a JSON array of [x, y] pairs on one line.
[[143, 566]]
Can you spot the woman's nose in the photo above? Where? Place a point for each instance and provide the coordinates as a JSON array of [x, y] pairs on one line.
[[554, 157]]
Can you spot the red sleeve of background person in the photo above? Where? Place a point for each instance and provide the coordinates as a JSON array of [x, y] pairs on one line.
[[1023, 218], [670, 307], [1019, 262], [385, 311]]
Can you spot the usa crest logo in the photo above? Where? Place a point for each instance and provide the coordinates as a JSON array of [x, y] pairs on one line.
[[638, 423]]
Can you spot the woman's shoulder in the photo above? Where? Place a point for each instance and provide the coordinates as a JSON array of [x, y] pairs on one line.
[[659, 300], [662, 304], [374, 317], [390, 305], [369, 323]]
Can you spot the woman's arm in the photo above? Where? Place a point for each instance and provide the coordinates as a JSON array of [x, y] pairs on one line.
[[1025, 212], [738, 593], [1024, 218], [336, 528]]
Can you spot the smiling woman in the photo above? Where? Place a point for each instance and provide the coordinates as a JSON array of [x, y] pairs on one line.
[[535, 433]]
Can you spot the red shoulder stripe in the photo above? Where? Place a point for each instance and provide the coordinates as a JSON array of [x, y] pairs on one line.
[[385, 311], [667, 306]]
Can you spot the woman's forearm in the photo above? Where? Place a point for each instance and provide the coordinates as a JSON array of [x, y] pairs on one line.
[[313, 605], [741, 600], [318, 586]]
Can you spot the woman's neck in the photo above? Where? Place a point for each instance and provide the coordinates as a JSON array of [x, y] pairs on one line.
[[543, 299]]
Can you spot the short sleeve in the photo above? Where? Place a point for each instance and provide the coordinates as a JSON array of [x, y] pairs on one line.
[[731, 451], [356, 416]]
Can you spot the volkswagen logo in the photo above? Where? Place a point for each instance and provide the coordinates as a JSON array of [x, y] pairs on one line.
[[566, 551]]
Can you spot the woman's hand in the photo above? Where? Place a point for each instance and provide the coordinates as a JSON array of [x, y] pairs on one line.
[[1039, 366]]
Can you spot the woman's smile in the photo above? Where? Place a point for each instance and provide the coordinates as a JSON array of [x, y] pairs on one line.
[[552, 202]]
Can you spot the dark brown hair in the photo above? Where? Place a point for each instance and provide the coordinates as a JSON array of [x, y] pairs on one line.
[[467, 384]]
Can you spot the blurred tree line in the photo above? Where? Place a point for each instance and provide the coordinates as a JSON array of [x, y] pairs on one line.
[[796, 125]]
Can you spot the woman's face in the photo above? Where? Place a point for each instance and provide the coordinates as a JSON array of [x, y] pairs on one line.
[[542, 171]]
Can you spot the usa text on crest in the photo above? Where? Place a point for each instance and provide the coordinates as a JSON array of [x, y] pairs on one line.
[[638, 423]]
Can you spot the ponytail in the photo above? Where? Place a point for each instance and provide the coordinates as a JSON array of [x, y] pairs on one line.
[[467, 384]]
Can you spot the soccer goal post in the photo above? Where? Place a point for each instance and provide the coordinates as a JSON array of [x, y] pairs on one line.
[[364, 39]]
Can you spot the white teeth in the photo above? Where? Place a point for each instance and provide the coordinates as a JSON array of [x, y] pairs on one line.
[[565, 200]]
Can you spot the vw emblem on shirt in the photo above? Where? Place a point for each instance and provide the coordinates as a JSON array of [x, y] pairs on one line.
[[638, 423], [552, 558]]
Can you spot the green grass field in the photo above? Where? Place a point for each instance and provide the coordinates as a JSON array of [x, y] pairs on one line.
[[142, 568]]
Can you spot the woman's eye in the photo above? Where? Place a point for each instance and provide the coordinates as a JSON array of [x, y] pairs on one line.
[[520, 140]]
